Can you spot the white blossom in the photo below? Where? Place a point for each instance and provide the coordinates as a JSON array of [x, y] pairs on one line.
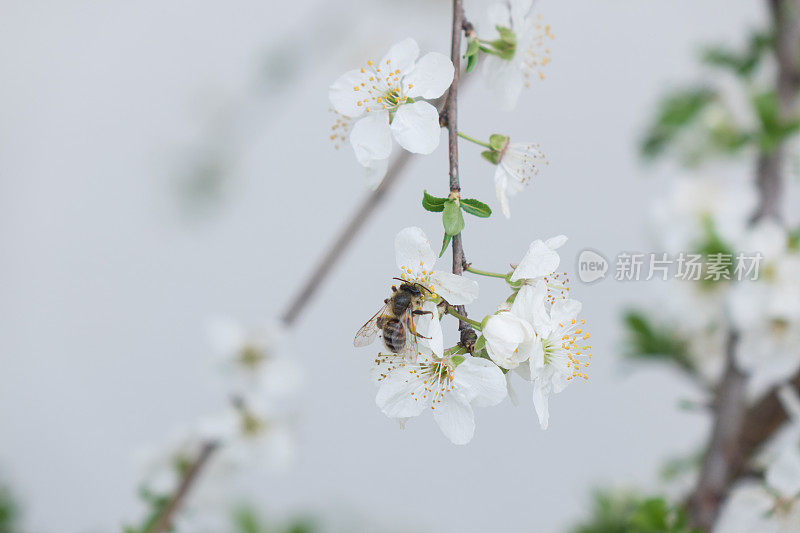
[[387, 99], [448, 386], [540, 260], [694, 205], [766, 311], [771, 507], [416, 259], [560, 353], [518, 164], [254, 358], [506, 77]]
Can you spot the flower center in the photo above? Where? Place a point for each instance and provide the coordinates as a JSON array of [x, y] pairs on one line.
[[251, 357], [382, 88], [437, 378], [536, 54], [418, 275]]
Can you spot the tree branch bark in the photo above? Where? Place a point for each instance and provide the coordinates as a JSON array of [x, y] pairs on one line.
[[451, 114], [737, 431]]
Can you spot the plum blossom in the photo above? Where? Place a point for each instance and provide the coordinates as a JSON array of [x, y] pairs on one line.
[[518, 163], [387, 99], [448, 386], [540, 260], [560, 353], [771, 507], [506, 77], [416, 259], [253, 358], [251, 431], [509, 338], [693, 206], [766, 311]]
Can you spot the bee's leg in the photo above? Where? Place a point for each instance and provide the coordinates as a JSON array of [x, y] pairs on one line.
[[394, 288], [421, 336], [420, 312]]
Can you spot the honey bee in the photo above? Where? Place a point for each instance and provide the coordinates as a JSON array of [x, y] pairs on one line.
[[395, 320]]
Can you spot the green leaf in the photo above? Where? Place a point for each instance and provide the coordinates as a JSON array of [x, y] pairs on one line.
[[498, 142], [445, 242], [744, 63], [649, 341], [452, 219], [676, 112], [475, 207], [471, 62], [431, 203], [472, 48], [457, 360], [491, 156]]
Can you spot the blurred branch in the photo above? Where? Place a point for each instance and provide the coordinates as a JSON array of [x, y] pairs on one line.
[[732, 438], [164, 522]]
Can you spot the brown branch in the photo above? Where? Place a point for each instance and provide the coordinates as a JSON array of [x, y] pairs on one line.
[[738, 432], [451, 114], [343, 240], [164, 522]]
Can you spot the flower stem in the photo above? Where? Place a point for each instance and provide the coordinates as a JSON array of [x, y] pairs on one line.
[[452, 311], [486, 273], [474, 140]]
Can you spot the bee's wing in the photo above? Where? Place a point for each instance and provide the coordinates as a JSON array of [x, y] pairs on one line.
[[410, 347], [366, 335]]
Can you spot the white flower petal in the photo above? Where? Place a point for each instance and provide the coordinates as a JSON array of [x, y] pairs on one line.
[[556, 242], [431, 327], [376, 170], [784, 474], [498, 14], [343, 95], [565, 310], [431, 76], [371, 138], [455, 418], [457, 290], [540, 260], [508, 339], [541, 393], [482, 382], [413, 250], [400, 56], [416, 127], [395, 396], [530, 305], [501, 187], [504, 79]]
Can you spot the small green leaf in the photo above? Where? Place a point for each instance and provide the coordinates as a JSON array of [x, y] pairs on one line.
[[452, 219], [456, 360], [445, 242], [476, 207], [498, 141], [432, 203], [491, 156], [472, 48], [471, 62]]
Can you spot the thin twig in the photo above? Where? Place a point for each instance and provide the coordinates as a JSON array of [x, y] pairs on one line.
[[738, 432], [451, 112], [164, 522], [343, 240]]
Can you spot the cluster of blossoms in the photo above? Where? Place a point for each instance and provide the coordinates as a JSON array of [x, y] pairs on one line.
[[255, 429], [771, 505], [389, 99], [710, 215], [535, 332]]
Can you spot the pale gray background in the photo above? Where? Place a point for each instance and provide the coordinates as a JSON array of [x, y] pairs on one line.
[[109, 274]]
